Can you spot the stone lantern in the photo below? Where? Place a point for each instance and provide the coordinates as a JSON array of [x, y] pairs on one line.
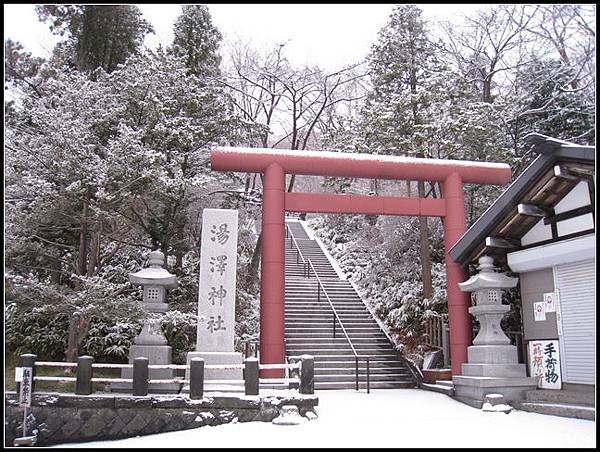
[[151, 343], [155, 281], [492, 366]]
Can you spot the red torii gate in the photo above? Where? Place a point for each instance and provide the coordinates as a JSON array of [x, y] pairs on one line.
[[275, 164]]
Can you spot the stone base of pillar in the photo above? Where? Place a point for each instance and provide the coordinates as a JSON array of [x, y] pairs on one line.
[[472, 390], [502, 374], [156, 354], [214, 358]]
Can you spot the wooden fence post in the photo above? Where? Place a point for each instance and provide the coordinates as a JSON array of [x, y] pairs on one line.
[[83, 384], [140, 376], [196, 378]]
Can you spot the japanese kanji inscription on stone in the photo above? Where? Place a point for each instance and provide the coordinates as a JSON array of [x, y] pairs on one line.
[[216, 297]]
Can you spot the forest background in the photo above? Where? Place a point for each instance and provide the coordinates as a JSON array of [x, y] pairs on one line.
[[107, 157]]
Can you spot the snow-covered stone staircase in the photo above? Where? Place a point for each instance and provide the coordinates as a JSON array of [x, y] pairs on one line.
[[308, 324]]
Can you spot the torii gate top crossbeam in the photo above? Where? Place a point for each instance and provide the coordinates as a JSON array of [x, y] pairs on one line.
[[338, 164]]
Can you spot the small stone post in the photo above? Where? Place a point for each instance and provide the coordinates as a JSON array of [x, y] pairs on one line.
[[83, 385], [251, 376], [140, 376], [307, 374], [196, 378]]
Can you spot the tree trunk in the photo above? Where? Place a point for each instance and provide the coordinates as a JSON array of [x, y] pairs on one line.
[[94, 252], [78, 329], [82, 257], [253, 269], [424, 247], [291, 184], [56, 265]]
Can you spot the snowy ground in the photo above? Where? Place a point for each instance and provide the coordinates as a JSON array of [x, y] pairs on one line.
[[384, 418]]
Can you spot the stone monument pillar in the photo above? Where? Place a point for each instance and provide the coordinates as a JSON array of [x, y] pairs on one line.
[[151, 343], [216, 297], [492, 366]]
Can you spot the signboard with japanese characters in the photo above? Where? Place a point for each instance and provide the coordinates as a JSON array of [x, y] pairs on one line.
[[544, 363], [216, 297], [25, 386]]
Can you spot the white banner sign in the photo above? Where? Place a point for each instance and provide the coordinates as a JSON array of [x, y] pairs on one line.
[[216, 297], [551, 300], [544, 363], [25, 387], [539, 311]]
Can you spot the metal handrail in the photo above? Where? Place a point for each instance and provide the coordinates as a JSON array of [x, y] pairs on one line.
[[336, 316], [294, 243]]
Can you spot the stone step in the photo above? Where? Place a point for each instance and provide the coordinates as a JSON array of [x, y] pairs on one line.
[[323, 303], [312, 282], [326, 328], [400, 371], [329, 352], [338, 346], [561, 396], [328, 337], [324, 312], [351, 363], [557, 409], [329, 340], [341, 304], [443, 389], [363, 385], [326, 309], [327, 318], [321, 378]]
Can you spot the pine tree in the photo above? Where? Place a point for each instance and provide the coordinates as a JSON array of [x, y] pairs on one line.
[[102, 35], [197, 40], [401, 63]]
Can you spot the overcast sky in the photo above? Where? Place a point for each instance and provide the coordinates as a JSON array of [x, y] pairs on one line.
[[328, 35]]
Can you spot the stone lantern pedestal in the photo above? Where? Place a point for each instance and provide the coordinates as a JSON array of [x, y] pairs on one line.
[[151, 343], [493, 366]]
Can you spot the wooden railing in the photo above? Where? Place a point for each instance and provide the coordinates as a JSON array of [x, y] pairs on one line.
[[84, 379], [437, 334]]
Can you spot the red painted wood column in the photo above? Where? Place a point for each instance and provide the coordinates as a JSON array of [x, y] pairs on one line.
[[458, 301], [272, 273]]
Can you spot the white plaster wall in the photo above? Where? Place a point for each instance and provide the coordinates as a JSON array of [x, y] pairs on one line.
[[578, 197]]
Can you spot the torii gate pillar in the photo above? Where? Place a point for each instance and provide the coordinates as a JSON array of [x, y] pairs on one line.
[[272, 271], [458, 301]]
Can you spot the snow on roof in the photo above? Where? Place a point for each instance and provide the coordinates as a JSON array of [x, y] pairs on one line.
[[355, 156]]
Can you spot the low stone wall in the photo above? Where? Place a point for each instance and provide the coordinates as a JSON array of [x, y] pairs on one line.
[[61, 418]]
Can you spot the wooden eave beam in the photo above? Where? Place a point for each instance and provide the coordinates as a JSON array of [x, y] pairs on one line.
[[534, 210], [499, 242], [566, 173]]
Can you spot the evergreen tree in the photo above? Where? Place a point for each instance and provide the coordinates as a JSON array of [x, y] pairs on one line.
[[197, 40], [102, 35], [401, 65]]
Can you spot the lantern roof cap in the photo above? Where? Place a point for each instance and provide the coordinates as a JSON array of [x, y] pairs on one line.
[[155, 274], [487, 278]]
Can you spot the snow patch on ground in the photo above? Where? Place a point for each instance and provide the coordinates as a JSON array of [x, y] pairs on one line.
[[384, 418]]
